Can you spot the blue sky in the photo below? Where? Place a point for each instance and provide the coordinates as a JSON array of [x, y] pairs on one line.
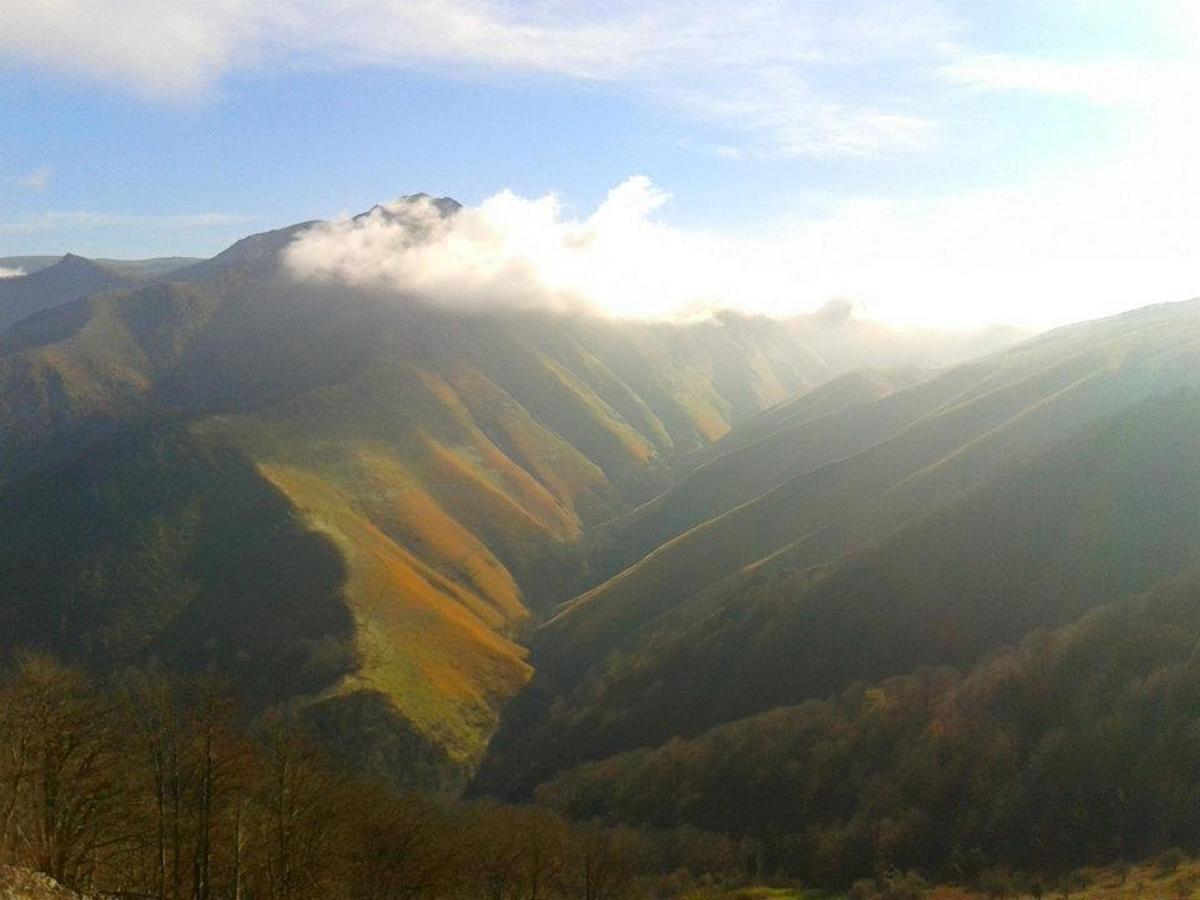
[[950, 148]]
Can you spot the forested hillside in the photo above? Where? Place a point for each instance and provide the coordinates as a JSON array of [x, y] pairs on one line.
[[1076, 746]]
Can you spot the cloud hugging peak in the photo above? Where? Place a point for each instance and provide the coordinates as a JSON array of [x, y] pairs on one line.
[[972, 259], [517, 253]]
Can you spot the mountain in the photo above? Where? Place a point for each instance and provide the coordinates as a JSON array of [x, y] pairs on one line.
[[256, 255], [892, 534], [369, 507], [49, 281], [338, 498], [68, 279]]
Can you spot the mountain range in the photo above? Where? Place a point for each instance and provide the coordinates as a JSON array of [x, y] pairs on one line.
[[532, 553], [334, 497]]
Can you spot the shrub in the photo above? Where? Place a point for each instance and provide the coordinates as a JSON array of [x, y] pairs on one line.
[[1170, 862]]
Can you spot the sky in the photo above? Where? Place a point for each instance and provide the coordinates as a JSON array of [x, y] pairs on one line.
[[934, 162]]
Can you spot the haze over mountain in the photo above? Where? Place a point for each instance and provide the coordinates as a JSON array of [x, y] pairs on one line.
[[71, 278], [28, 265]]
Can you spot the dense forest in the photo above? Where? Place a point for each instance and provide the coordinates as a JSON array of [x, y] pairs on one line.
[[1077, 746]]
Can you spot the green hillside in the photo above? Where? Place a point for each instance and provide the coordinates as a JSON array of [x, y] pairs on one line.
[[923, 445], [833, 421], [753, 608], [834, 482], [163, 544], [83, 370]]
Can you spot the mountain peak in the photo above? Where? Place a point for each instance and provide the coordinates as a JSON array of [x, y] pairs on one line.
[[68, 279], [446, 206], [74, 266]]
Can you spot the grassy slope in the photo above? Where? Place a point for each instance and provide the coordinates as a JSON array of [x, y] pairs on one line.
[[828, 423], [81, 371], [421, 640], [945, 435], [659, 648]]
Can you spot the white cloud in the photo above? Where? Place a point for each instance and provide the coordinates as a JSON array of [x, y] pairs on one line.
[[30, 181], [9, 272], [778, 115], [515, 252], [1041, 256], [745, 66], [160, 47]]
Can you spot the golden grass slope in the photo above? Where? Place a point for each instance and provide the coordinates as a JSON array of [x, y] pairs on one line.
[[424, 641]]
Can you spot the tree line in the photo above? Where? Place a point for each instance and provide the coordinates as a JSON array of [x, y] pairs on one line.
[[153, 787]]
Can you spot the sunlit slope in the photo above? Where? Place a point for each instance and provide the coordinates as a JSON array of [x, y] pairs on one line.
[[402, 445], [172, 547], [742, 613], [835, 396], [833, 421], [517, 427], [428, 648], [946, 435]]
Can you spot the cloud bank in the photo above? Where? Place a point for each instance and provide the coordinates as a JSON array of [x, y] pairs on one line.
[[8, 272], [1058, 253]]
